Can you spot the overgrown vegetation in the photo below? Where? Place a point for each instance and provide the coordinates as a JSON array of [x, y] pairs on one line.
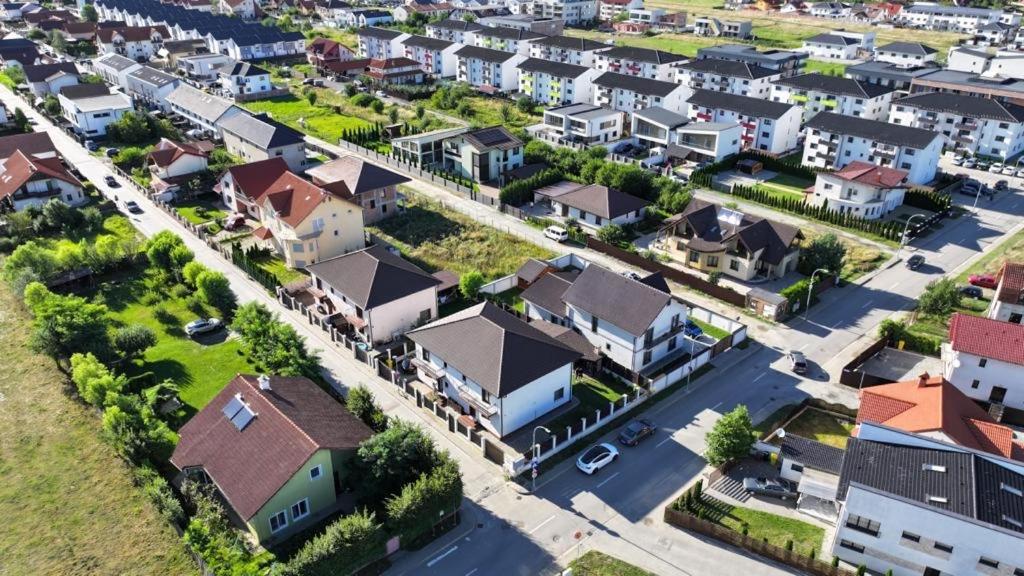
[[730, 438]]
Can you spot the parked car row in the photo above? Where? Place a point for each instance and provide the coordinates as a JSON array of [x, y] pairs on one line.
[[994, 167], [597, 457]]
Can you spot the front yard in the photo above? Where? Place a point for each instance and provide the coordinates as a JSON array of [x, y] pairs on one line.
[[821, 426], [713, 331], [777, 530], [593, 393], [199, 211], [437, 238], [786, 186]]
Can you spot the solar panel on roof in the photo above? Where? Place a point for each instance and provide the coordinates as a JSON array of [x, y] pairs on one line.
[[244, 416], [233, 406]]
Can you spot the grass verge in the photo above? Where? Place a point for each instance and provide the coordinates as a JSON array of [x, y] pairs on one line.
[[1009, 250], [595, 563], [777, 530], [593, 394]]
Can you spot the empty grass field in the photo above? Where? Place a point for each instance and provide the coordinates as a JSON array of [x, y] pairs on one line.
[[486, 111], [68, 499], [319, 121], [595, 563], [786, 186]]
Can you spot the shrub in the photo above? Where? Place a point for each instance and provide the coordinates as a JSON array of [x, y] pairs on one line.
[[159, 492], [730, 438], [715, 277], [417, 508], [388, 461], [825, 251], [132, 341], [940, 297], [360, 403], [896, 331], [347, 545], [470, 283], [613, 234], [195, 305], [861, 570], [210, 535], [377, 106], [835, 561], [215, 290], [93, 380], [191, 272]]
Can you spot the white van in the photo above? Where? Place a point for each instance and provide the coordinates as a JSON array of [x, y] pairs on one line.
[[556, 233]]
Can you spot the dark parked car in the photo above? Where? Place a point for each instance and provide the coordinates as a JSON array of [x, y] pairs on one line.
[[133, 207], [636, 431], [775, 487], [1002, 186], [111, 152], [112, 182], [971, 291], [691, 330], [915, 261]]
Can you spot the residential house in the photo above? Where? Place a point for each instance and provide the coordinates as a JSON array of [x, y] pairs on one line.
[[151, 87], [334, 13], [772, 127], [656, 126], [323, 50], [573, 12], [633, 324], [488, 70], [926, 507], [610, 10], [254, 138], [641, 62], [245, 80], [204, 68], [276, 448], [90, 108], [1008, 303], [14, 11], [371, 17], [453, 30], [242, 187], [502, 372], [788, 62], [435, 56], [555, 83], [714, 28], [814, 467], [45, 79], [204, 111], [593, 206], [376, 293], [32, 144], [730, 76], [865, 190], [906, 54], [711, 238], [970, 124], [139, 43], [244, 9], [834, 10], [579, 123], [511, 40], [992, 34], [566, 49], [971, 84], [173, 50], [898, 77], [962, 19], [362, 183], [930, 406], [821, 93], [484, 154], [114, 69], [983, 359], [18, 52], [431, 11], [380, 43], [680, 138], [831, 46], [400, 70], [425, 149], [834, 140], [628, 94], [171, 163], [32, 181]]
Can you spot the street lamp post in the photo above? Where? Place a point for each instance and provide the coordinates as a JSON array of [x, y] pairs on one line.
[[810, 290], [536, 455], [690, 371], [906, 228]]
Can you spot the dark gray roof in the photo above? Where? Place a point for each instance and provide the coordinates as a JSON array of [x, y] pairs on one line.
[[601, 200], [662, 116], [116, 62], [624, 302], [351, 176], [206, 106], [570, 43], [78, 91], [457, 25], [711, 233], [636, 84], [873, 69], [495, 349], [642, 55], [508, 33], [884, 132], [548, 290], [238, 68], [372, 277], [492, 138], [569, 337], [835, 85], [39, 73], [971, 82], [559, 69], [972, 485], [427, 42], [530, 270], [732, 68], [153, 76], [262, 131], [377, 32], [485, 54], [832, 39], [745, 105], [963, 105], [914, 48], [813, 454]]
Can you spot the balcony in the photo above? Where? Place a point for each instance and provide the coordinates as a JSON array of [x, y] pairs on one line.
[[963, 138], [798, 99], [469, 395], [675, 330], [427, 369], [829, 103]]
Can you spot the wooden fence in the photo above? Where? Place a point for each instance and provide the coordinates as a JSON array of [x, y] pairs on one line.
[[854, 375]]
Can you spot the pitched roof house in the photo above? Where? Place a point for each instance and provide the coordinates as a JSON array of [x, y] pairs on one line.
[[32, 181], [171, 162], [43, 79], [1008, 303], [593, 205], [371, 186], [984, 359], [260, 137], [273, 447]]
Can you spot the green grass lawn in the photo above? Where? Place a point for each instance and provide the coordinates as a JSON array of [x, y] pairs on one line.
[[821, 426], [437, 238], [7, 81], [200, 210], [938, 326], [594, 393], [829, 68], [320, 121], [486, 111], [770, 424], [861, 257], [1009, 250], [68, 499], [274, 265], [595, 563], [713, 331], [786, 186], [511, 298], [201, 370], [762, 525]]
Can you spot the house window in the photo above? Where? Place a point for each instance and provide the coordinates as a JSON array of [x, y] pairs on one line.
[[943, 547], [300, 509], [975, 383], [988, 562], [647, 357], [426, 355], [593, 323], [484, 394], [559, 394], [694, 256], [278, 522], [851, 546], [316, 472], [982, 362], [862, 524], [713, 261], [911, 536]]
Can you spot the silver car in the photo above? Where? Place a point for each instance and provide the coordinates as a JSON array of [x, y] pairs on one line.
[[202, 326], [775, 487]]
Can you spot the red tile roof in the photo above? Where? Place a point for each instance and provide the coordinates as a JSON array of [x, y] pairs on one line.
[[401, 62], [167, 151], [19, 169], [294, 419], [262, 233], [932, 404], [987, 338], [872, 175], [1011, 283], [251, 179], [293, 199]]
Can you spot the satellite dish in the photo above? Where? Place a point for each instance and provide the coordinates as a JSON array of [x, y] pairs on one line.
[[956, 363], [780, 433]]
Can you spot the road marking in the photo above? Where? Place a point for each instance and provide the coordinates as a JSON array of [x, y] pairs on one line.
[[759, 377], [539, 526], [894, 284], [471, 572], [607, 480], [865, 305], [663, 441], [716, 405], [836, 324], [442, 556]]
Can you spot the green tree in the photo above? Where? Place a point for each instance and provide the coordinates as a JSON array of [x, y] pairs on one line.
[[89, 14], [311, 97], [612, 234], [730, 438], [20, 120], [507, 115], [56, 215], [132, 157], [825, 251], [420, 111], [159, 249], [133, 340], [417, 508], [525, 104], [191, 272], [58, 42], [393, 115], [377, 106], [30, 256], [64, 325], [470, 284], [939, 298], [215, 290], [388, 461], [361, 404], [52, 105], [132, 128], [94, 381]]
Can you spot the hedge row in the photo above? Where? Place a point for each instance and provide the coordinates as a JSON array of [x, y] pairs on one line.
[[518, 192]]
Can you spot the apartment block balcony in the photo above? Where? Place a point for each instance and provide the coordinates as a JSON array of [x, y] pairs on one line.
[[964, 138], [967, 124], [829, 103], [887, 154], [466, 393], [797, 99]]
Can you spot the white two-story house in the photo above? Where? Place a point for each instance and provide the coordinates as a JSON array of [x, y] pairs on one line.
[[970, 124], [865, 190], [821, 93], [579, 123], [984, 359], [90, 108], [773, 127], [906, 54], [242, 79]]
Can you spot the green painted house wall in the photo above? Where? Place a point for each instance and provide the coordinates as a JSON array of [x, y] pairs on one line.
[[320, 493]]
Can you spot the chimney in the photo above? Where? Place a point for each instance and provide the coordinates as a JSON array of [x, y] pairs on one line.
[[923, 380], [264, 381]]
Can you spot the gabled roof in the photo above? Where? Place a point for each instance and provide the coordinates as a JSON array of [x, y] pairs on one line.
[[455, 25], [31, 143], [731, 68], [557, 69], [548, 290], [153, 76], [570, 43], [42, 72], [714, 226], [596, 199], [642, 55], [427, 42], [636, 84], [292, 198], [115, 62], [293, 420], [206, 106], [262, 131], [253, 179], [508, 33], [167, 151], [238, 68], [885, 132], [833, 39], [493, 348], [873, 175], [485, 54], [912, 48], [965, 105], [131, 33], [372, 277], [350, 176], [1011, 283], [812, 454], [20, 169], [81, 91], [987, 338], [834, 85], [624, 302], [376, 32], [932, 404]]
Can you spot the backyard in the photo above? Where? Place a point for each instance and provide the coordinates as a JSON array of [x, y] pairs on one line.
[[200, 210], [821, 426], [786, 186], [937, 327], [593, 393], [69, 500], [437, 238], [713, 331], [272, 264], [777, 530], [319, 121]]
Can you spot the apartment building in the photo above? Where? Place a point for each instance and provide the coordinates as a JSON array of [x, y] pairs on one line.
[[641, 62], [573, 12], [970, 124], [452, 30], [554, 83], [631, 93], [772, 127], [862, 189], [527, 22], [488, 69], [820, 93], [436, 56], [579, 124], [962, 19], [151, 87], [610, 9], [786, 61], [834, 140], [255, 138], [734, 77], [511, 40], [380, 43], [566, 49]]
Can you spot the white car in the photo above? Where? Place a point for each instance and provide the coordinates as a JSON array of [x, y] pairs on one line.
[[597, 457], [556, 233], [1020, 173], [1008, 171], [997, 168], [958, 160], [381, 94], [970, 163]]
